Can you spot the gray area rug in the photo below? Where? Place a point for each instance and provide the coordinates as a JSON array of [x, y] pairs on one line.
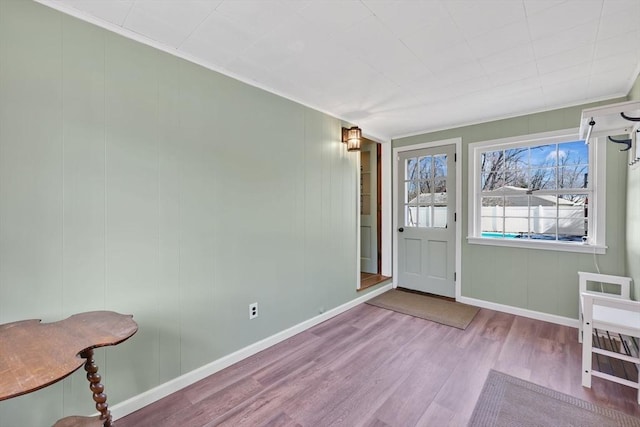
[[427, 307], [506, 401]]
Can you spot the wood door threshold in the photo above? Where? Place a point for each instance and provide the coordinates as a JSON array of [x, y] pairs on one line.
[[368, 280]]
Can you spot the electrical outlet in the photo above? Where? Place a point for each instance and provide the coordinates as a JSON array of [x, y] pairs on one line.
[[253, 310]]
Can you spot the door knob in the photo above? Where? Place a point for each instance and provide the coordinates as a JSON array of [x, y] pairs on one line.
[[400, 229]]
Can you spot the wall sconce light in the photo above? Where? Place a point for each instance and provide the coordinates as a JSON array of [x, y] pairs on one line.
[[352, 138]]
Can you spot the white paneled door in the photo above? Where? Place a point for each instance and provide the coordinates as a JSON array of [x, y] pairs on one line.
[[426, 220]]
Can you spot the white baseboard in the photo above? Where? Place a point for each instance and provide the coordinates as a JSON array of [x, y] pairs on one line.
[[552, 318], [148, 397]]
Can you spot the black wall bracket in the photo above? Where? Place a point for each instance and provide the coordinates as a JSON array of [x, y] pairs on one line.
[[627, 142]]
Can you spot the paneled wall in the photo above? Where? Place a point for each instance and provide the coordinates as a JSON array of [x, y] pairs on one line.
[[134, 181], [538, 280], [633, 212]]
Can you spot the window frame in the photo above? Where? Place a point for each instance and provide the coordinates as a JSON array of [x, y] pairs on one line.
[[431, 204], [595, 242]]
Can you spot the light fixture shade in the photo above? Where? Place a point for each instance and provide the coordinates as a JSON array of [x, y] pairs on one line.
[[352, 137]]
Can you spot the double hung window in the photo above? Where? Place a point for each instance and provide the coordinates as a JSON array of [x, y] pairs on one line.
[[537, 191]]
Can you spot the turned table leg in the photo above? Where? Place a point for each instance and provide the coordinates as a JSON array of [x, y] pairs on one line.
[[96, 387]]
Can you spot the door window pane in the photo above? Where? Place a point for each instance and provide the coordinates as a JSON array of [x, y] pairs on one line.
[[411, 169], [440, 197], [411, 192], [440, 174], [426, 167], [410, 216], [424, 216], [426, 187], [440, 216]]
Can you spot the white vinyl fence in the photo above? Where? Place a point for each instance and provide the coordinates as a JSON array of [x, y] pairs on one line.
[[542, 219], [426, 216]]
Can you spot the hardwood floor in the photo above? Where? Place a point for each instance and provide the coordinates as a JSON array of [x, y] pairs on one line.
[[374, 367]]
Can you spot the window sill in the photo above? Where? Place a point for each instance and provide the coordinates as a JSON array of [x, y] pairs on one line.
[[551, 246]]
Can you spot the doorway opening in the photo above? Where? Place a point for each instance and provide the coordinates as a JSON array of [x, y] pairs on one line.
[[370, 214]]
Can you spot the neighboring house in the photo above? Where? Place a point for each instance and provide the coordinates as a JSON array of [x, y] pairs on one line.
[[523, 197]]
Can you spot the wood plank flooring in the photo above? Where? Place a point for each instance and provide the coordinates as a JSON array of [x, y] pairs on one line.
[[374, 367]]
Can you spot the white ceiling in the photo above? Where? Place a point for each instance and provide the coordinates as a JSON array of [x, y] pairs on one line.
[[397, 68]]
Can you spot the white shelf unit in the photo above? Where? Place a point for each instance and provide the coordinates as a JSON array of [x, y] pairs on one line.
[[608, 121]]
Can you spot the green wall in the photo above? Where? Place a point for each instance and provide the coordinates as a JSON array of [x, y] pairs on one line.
[[633, 212], [134, 181], [539, 280]]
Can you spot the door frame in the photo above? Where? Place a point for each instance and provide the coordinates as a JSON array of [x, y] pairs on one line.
[[375, 151], [457, 142], [386, 225]]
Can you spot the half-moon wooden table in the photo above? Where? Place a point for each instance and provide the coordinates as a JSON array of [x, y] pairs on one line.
[[34, 355]]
